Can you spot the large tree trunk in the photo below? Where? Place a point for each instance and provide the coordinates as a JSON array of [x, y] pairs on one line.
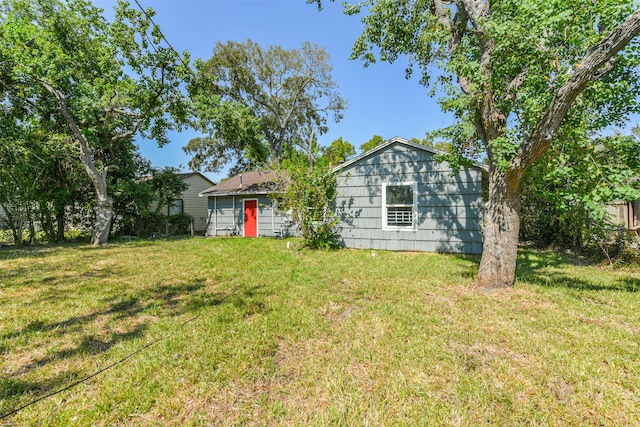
[[104, 214], [104, 208], [502, 226]]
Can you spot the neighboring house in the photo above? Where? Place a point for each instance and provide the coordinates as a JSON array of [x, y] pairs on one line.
[[189, 202], [395, 196], [241, 206]]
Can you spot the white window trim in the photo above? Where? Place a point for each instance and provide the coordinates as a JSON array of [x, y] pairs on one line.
[[414, 212]]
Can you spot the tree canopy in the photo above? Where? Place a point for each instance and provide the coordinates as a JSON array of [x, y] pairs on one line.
[[372, 143], [338, 151], [565, 194], [101, 82], [255, 105]]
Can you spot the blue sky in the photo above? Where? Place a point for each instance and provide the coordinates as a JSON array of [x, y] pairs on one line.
[[380, 100]]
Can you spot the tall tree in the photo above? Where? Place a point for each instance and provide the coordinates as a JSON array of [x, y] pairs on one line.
[[107, 80], [518, 75], [257, 105], [338, 152], [372, 143]]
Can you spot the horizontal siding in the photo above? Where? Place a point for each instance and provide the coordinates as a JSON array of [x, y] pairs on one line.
[[361, 188], [459, 235], [473, 201], [449, 205], [408, 245], [445, 213], [195, 205], [352, 178], [223, 218]]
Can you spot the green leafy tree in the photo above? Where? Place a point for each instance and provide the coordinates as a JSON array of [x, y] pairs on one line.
[[565, 194], [62, 185], [519, 76], [19, 175], [107, 81], [142, 196], [372, 143], [168, 186], [257, 105], [430, 141], [39, 172], [130, 188], [308, 190], [339, 151]]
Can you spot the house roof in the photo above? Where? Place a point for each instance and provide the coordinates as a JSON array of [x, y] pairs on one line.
[[397, 140], [261, 182], [186, 175]]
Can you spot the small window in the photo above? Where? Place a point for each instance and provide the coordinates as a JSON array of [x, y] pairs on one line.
[[176, 207], [398, 205]]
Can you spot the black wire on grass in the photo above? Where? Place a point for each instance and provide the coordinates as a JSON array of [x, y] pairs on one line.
[[3, 416], [46, 396]]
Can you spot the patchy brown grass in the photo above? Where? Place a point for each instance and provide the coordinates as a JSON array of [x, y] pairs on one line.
[[252, 333]]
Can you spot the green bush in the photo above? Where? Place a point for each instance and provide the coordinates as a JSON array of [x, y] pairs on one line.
[[308, 190], [179, 224]]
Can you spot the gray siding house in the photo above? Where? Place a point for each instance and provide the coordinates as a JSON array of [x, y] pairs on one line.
[[398, 197], [189, 202], [394, 197], [241, 206]]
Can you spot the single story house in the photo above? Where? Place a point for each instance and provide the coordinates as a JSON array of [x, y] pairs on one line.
[[396, 196], [241, 206], [189, 202]]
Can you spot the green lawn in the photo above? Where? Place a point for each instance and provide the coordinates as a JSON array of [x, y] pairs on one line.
[[250, 332]]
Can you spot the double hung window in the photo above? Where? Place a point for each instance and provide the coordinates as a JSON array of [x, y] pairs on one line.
[[398, 203]]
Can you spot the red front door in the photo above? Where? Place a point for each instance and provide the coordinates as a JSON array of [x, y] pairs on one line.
[[250, 218]]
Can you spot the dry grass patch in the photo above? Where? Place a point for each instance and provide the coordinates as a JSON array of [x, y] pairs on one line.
[[252, 333]]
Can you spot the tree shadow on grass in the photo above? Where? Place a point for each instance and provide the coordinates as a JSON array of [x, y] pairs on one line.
[[16, 390], [170, 300], [551, 270], [89, 345], [124, 318], [10, 388], [166, 297], [471, 262]]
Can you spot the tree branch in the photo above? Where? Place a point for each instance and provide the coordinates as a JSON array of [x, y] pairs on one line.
[[515, 84], [440, 12], [85, 151], [142, 117], [598, 61]]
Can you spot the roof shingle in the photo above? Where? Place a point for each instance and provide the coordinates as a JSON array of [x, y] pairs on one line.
[[245, 183]]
